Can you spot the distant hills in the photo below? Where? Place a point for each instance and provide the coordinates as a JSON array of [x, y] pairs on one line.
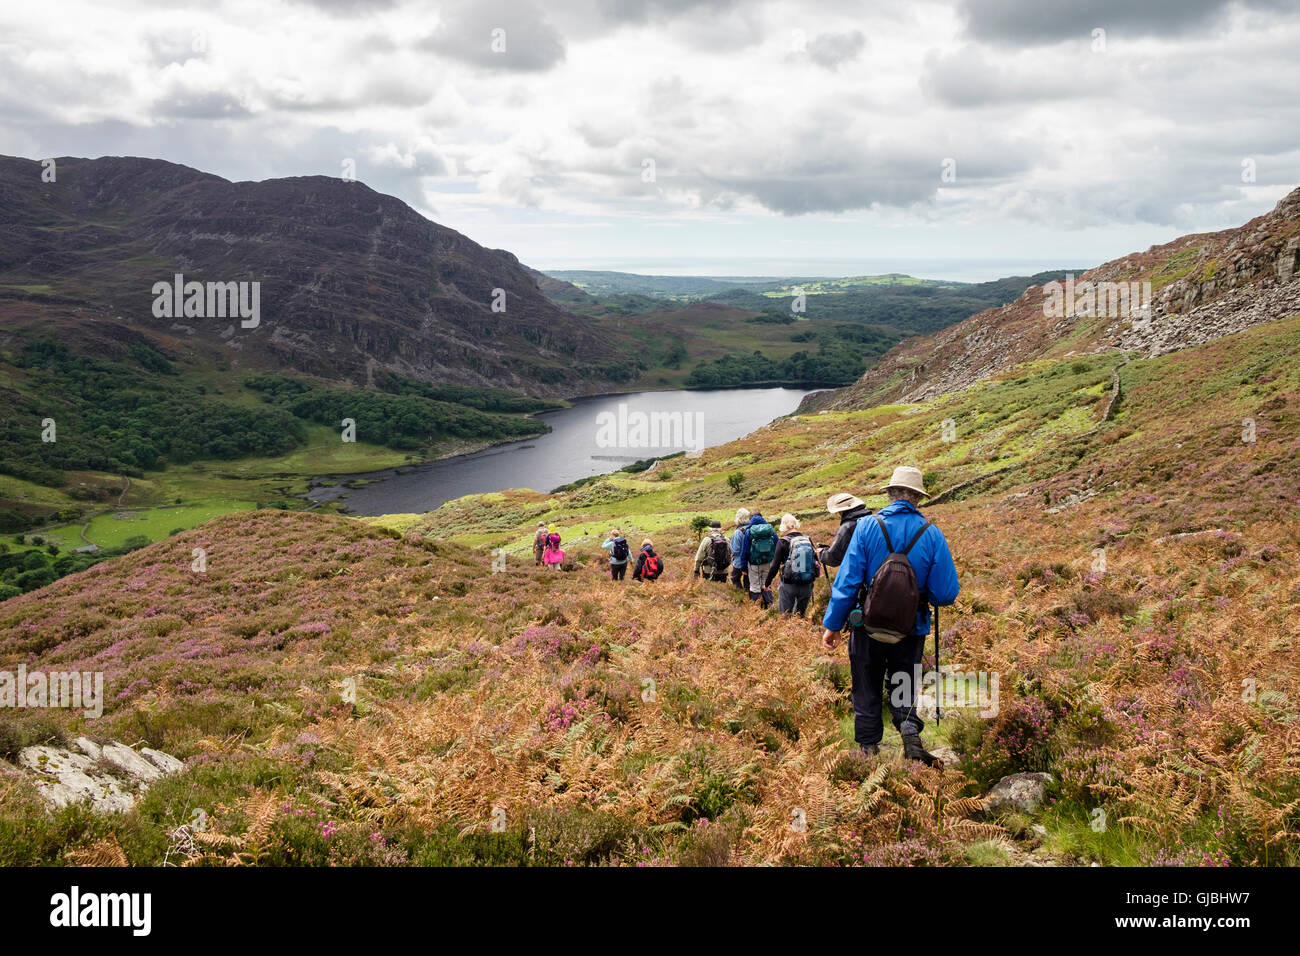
[[737, 331], [1202, 287], [904, 303]]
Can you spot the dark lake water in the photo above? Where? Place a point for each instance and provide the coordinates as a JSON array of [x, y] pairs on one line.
[[595, 436]]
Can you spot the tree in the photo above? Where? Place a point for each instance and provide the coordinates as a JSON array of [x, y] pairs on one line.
[[736, 479]]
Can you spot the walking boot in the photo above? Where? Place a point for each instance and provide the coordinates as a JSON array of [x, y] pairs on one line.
[[913, 749]]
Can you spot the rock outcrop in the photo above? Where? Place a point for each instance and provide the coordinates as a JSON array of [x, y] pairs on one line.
[[109, 777], [1023, 792]]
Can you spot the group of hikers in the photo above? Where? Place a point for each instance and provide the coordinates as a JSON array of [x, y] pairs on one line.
[[647, 567], [891, 570]]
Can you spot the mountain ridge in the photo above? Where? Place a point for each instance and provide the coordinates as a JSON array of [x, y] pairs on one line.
[[351, 278]]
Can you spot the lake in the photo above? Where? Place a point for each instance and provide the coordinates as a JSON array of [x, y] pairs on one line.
[[595, 436]]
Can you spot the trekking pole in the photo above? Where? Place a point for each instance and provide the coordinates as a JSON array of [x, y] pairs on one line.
[[938, 677]]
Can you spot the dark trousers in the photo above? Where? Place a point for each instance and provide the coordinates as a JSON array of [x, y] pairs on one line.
[[740, 578], [879, 670], [794, 598], [616, 571]]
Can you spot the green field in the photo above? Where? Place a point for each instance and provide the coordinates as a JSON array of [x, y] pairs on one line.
[[112, 530]]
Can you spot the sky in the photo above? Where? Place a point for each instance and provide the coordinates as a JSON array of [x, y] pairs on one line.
[[701, 136]]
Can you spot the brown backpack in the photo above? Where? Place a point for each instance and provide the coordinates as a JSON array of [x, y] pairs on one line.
[[890, 612]]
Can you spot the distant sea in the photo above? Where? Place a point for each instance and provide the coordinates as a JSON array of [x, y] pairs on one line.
[[958, 270]]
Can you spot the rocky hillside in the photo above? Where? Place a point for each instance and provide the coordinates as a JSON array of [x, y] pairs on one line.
[[1202, 287], [351, 280]]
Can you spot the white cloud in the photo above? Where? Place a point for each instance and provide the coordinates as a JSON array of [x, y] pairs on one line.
[[815, 124]]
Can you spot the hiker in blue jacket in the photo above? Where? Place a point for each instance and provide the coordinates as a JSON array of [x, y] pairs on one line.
[[617, 547], [873, 663], [757, 549], [739, 574]]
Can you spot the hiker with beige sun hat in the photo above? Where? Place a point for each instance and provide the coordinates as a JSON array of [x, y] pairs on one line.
[[849, 508], [896, 565]]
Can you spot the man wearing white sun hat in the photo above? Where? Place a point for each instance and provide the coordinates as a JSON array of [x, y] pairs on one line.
[[881, 655], [849, 509]]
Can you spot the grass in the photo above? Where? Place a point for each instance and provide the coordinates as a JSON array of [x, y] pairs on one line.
[[706, 333], [25, 492], [37, 287], [1175, 267], [112, 530], [324, 454]]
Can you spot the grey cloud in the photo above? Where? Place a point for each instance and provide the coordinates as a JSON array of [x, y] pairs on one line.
[[970, 76], [168, 48], [642, 11], [829, 50], [825, 168], [1188, 183], [30, 88], [531, 43], [1138, 138], [596, 137], [1052, 21], [200, 105], [344, 8], [386, 87], [705, 25], [816, 191]]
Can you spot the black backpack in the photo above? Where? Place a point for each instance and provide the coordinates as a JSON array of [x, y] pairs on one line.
[[718, 557], [889, 614], [620, 551]]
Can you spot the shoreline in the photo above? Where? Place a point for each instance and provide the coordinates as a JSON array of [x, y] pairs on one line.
[[812, 386], [470, 449]]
